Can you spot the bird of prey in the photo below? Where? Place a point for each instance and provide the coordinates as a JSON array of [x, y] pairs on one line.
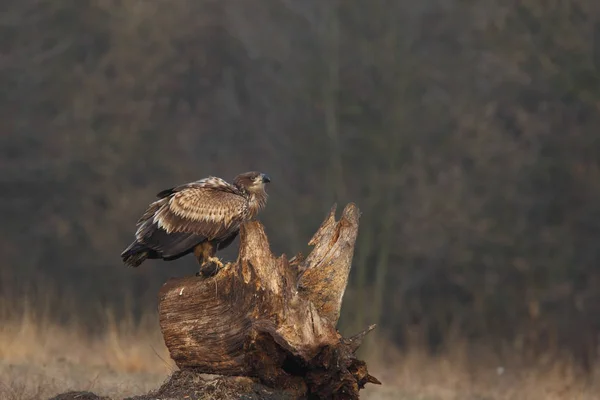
[[200, 217]]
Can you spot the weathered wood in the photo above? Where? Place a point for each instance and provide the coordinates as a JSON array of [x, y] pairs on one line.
[[326, 270], [264, 318]]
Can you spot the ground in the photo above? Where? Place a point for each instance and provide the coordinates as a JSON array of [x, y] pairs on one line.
[[31, 382], [39, 360]]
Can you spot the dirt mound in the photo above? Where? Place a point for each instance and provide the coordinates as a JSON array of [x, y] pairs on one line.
[[78, 396], [192, 386], [189, 385]]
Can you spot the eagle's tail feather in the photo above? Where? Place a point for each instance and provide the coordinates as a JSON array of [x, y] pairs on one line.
[[135, 254]]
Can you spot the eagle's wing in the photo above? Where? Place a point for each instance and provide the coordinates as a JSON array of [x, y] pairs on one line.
[[210, 208], [187, 215]]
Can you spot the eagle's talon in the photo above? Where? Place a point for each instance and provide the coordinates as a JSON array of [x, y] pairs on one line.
[[216, 261], [210, 267]]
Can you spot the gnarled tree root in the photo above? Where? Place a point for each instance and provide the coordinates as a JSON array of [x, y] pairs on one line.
[[271, 320]]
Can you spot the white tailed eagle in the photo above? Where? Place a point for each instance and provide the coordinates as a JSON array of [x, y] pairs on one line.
[[200, 217]]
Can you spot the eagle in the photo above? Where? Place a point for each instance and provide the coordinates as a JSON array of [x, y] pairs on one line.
[[200, 217]]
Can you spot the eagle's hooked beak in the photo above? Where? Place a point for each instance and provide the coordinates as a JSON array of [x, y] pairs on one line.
[[266, 178]]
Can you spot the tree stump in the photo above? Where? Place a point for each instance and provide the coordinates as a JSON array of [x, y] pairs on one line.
[[269, 318]]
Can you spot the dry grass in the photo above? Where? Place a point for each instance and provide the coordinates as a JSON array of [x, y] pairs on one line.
[[39, 358], [474, 373], [123, 346]]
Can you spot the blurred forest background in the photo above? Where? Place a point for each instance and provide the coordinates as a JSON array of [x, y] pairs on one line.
[[468, 132]]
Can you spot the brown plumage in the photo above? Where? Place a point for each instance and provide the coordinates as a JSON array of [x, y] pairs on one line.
[[200, 217]]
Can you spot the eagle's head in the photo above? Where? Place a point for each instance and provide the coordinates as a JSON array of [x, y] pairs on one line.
[[252, 182]]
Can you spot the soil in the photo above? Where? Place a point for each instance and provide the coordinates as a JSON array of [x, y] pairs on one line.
[[188, 385]]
